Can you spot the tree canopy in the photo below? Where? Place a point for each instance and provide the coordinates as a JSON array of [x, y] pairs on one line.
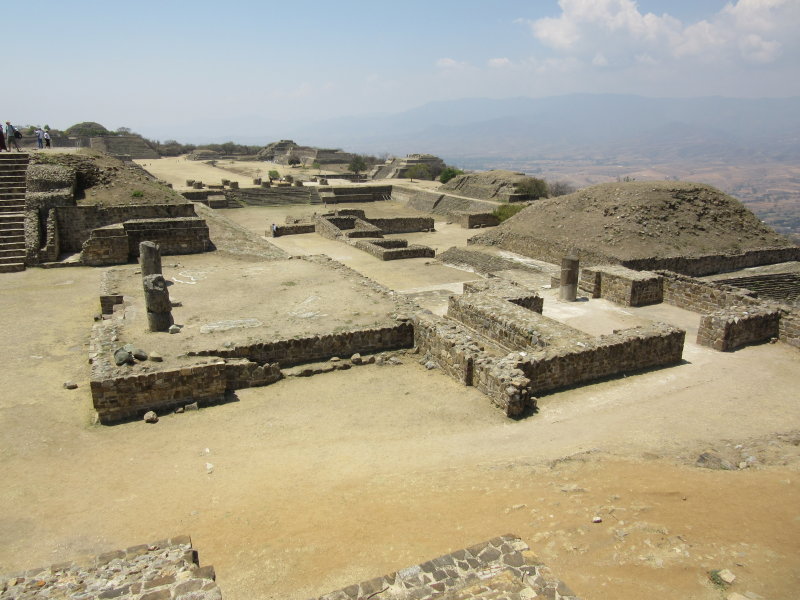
[[357, 165]]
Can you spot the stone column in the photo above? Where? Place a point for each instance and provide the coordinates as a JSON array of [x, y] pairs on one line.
[[569, 278], [156, 298], [150, 258]]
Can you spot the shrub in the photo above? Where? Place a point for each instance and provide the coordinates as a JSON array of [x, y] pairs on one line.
[[137, 194], [448, 173], [506, 211], [531, 187]]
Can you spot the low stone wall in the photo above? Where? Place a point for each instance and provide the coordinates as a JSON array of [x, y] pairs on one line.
[[507, 290], [293, 229], [780, 287], [341, 194], [336, 227], [275, 196], [656, 345], [296, 351], [503, 567], [789, 328], [510, 325], [454, 349], [715, 263], [76, 223], [116, 244], [700, 296], [394, 249], [159, 570], [403, 224], [106, 246], [470, 220], [110, 295], [622, 286], [727, 330]]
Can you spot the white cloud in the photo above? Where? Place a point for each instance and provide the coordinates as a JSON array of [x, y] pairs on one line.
[[499, 63], [616, 32], [449, 63]]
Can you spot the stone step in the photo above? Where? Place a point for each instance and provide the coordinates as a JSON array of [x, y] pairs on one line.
[[14, 253], [14, 206], [7, 244], [17, 228], [12, 216], [12, 267], [12, 260]]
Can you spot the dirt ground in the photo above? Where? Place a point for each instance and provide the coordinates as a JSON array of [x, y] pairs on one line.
[[311, 484]]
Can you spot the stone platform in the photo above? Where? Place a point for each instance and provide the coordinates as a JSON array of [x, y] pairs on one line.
[[503, 567]]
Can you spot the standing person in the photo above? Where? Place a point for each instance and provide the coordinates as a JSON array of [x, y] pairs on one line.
[[3, 140], [46, 139], [11, 136], [39, 137]]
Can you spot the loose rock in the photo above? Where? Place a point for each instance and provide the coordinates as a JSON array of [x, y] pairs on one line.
[[70, 385], [150, 417]]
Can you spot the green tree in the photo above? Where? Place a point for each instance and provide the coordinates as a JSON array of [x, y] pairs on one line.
[[293, 160], [88, 129], [273, 174], [448, 173], [532, 187], [560, 188], [419, 171], [357, 165], [316, 165]]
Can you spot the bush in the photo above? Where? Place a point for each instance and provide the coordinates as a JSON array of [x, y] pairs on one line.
[[506, 211], [137, 194], [532, 188], [419, 171], [560, 188], [273, 174], [448, 173]]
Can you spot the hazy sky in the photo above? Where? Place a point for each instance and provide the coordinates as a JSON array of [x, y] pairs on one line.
[[152, 65]]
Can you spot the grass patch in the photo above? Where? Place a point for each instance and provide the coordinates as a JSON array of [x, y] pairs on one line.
[[137, 194], [288, 283], [506, 211]]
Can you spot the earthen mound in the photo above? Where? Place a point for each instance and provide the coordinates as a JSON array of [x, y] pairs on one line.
[[497, 185], [615, 222]]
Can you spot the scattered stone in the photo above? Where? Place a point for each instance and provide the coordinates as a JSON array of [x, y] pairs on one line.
[[150, 417], [122, 357], [334, 359], [572, 488], [174, 328], [209, 468], [711, 460], [155, 357], [70, 385], [356, 359], [179, 410], [430, 365], [370, 360], [175, 303], [597, 520], [139, 354], [192, 406], [395, 361], [726, 576]]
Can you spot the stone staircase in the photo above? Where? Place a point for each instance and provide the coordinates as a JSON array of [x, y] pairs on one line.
[[13, 167]]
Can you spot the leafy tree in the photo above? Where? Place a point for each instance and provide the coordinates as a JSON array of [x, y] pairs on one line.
[[532, 187], [293, 160], [316, 165], [419, 171], [273, 174], [357, 165], [448, 173]]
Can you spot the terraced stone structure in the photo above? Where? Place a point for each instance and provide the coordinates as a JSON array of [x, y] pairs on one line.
[[503, 567], [12, 211], [162, 570]]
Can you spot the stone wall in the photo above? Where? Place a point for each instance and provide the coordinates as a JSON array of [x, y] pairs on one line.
[[110, 295], [725, 303], [159, 570], [116, 244], [394, 249], [512, 326], [296, 351], [507, 290], [727, 330], [275, 196], [75, 223], [781, 287], [403, 224], [470, 220], [501, 568], [622, 286], [293, 229], [456, 351], [438, 203], [356, 193], [715, 263], [656, 345], [336, 227]]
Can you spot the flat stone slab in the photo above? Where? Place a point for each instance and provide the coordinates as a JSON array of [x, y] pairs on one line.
[[228, 325]]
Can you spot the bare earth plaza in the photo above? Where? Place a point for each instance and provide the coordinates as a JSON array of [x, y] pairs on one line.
[[220, 386]]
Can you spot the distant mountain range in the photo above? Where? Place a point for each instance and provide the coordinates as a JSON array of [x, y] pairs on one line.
[[575, 126]]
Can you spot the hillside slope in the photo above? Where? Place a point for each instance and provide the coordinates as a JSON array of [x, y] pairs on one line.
[[624, 221]]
